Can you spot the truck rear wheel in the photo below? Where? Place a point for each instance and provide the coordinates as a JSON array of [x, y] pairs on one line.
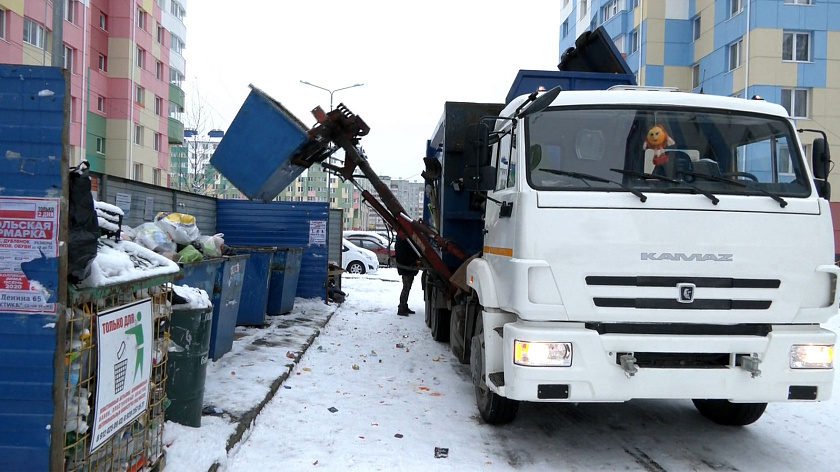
[[440, 324], [494, 409], [730, 414]]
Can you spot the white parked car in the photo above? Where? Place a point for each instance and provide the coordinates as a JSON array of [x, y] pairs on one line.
[[357, 260]]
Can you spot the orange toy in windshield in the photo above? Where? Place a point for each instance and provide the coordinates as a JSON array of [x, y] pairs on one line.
[[657, 140]]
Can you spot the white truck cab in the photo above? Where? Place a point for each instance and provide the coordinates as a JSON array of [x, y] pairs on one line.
[[652, 244]]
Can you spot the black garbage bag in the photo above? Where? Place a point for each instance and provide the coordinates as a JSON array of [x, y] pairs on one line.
[[84, 229]]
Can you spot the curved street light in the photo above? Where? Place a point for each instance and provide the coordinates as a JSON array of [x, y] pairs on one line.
[[331, 92]]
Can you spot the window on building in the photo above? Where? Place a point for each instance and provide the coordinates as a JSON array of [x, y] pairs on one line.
[[735, 54], [634, 42], [796, 47], [795, 102], [138, 171], [175, 77], [138, 135], [565, 29], [159, 70], [159, 34], [156, 176], [612, 9], [100, 104], [103, 63], [565, 3], [141, 18], [139, 95], [158, 106], [67, 58], [103, 21], [177, 10], [70, 10], [157, 141], [636, 3], [141, 58], [583, 8], [797, 2], [177, 44], [34, 34], [695, 76], [2, 23], [100, 145], [696, 27], [161, 3], [735, 7], [619, 43]]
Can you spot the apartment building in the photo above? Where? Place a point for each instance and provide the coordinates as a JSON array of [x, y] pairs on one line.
[[125, 62], [785, 51]]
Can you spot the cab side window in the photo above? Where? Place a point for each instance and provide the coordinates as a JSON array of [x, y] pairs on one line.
[[505, 169]]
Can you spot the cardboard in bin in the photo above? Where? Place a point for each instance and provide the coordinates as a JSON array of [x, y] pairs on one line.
[[257, 150]]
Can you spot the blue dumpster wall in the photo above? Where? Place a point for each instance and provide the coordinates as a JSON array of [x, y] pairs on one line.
[[280, 224], [32, 137]]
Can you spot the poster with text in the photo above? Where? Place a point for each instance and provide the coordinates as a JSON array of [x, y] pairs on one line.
[[317, 233], [124, 349], [28, 228]]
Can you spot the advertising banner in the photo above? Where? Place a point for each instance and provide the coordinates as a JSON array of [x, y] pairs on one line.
[[28, 228], [124, 347]]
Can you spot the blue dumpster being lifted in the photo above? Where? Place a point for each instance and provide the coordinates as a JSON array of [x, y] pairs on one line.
[[254, 300], [285, 271]]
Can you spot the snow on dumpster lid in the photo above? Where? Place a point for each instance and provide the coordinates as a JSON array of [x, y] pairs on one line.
[[124, 261]]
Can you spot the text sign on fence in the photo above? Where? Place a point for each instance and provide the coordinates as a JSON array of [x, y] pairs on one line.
[[28, 229], [125, 360]]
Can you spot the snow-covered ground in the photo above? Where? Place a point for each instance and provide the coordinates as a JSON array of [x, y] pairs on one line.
[[374, 392]]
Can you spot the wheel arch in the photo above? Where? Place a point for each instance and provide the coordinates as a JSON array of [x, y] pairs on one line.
[[480, 278]]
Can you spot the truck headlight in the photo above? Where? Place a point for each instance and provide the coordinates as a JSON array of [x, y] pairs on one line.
[[542, 354], [811, 356]]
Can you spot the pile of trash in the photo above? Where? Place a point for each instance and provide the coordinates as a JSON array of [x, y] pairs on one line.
[[176, 237]]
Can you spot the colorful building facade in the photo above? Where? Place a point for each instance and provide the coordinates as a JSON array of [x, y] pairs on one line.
[[785, 51], [126, 68]]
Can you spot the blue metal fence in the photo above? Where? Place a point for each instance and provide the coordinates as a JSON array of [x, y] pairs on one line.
[[281, 224], [33, 135]]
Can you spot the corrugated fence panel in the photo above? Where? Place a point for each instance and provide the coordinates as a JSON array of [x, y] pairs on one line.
[[281, 224], [145, 201], [32, 140]]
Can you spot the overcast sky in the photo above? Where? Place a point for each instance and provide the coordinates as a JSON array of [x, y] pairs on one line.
[[411, 58]]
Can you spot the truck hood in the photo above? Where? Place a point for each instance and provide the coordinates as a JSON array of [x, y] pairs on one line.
[[678, 265]]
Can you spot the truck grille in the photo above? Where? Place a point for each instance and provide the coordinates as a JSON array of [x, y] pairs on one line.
[[676, 304]]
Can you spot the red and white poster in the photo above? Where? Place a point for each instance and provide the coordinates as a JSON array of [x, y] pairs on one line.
[[124, 349], [28, 228]]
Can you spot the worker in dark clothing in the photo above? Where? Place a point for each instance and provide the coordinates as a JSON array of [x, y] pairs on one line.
[[407, 266]]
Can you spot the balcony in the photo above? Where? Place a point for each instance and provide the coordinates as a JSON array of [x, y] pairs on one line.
[[176, 131]]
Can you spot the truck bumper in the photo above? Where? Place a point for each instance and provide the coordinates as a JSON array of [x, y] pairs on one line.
[[597, 376]]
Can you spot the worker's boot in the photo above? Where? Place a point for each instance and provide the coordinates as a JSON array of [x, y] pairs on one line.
[[403, 310], [410, 311]]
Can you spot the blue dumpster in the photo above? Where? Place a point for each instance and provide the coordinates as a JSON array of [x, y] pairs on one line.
[[231, 282], [254, 300], [285, 271]]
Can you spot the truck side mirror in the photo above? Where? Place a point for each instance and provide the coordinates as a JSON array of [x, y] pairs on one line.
[[821, 160], [480, 179]]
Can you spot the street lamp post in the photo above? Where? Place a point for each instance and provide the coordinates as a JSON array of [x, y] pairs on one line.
[[331, 92]]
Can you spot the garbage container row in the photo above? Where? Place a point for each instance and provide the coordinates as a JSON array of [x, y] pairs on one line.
[[243, 289]]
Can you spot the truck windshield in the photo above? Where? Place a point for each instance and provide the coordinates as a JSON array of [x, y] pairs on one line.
[[632, 145]]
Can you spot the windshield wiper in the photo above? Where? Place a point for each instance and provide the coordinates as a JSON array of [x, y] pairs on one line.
[[595, 178], [645, 175], [713, 178]]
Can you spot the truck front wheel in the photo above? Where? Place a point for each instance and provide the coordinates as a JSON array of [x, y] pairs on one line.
[[494, 409], [730, 414]]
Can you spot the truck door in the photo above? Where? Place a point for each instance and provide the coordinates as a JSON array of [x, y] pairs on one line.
[[500, 214]]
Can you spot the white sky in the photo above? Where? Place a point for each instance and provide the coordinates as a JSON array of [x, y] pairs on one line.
[[411, 58]]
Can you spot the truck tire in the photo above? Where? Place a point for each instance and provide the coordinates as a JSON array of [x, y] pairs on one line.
[[730, 414], [458, 337], [494, 409], [427, 297]]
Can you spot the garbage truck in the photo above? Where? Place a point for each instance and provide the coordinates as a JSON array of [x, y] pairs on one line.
[[603, 242]]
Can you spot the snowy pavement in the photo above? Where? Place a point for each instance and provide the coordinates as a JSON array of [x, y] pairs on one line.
[[374, 392]]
